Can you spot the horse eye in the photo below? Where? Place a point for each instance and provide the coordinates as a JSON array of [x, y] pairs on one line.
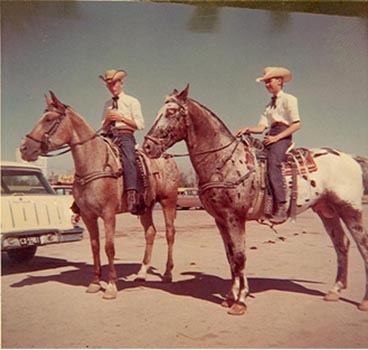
[[171, 111]]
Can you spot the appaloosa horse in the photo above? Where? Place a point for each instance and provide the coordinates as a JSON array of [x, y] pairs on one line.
[[228, 175], [98, 188]]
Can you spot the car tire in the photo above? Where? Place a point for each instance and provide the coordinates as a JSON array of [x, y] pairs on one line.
[[22, 255]]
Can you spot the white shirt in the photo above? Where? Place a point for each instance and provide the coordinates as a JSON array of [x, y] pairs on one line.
[[130, 108], [286, 111]]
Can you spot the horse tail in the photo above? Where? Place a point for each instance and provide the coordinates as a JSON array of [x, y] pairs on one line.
[[363, 161]]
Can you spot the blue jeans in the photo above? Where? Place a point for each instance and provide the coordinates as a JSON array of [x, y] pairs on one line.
[[275, 156], [129, 161]]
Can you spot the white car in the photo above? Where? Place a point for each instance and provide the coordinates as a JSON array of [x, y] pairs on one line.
[[32, 214], [188, 198], [63, 190]]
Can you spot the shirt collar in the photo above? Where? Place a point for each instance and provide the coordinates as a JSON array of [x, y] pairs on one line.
[[280, 93], [121, 95]]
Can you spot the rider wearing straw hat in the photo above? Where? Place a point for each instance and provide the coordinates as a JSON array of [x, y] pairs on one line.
[[281, 115], [122, 116]]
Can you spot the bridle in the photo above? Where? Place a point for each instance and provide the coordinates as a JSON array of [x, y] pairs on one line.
[[182, 109], [45, 143]]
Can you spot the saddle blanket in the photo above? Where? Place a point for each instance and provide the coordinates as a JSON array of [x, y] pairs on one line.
[[303, 159]]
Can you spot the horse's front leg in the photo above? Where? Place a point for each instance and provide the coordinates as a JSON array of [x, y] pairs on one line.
[[169, 209], [92, 227], [149, 234], [232, 230], [109, 224]]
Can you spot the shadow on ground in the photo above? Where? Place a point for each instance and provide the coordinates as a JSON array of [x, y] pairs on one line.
[[192, 283]]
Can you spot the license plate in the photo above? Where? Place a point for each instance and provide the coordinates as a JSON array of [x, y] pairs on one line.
[[25, 241]]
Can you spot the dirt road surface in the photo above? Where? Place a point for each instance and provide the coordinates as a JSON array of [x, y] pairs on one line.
[[44, 304]]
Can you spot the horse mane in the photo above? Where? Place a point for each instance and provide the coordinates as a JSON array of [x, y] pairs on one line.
[[212, 114], [80, 121]]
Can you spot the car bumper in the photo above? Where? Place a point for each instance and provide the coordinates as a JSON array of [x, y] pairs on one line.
[[21, 239]]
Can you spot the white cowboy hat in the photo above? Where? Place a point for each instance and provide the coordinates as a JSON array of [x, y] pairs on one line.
[[275, 72], [113, 75]]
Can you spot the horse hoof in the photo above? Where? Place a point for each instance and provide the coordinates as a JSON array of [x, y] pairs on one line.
[[93, 288], [140, 279], [237, 309], [363, 306], [228, 303], [110, 292], [167, 278], [331, 296]]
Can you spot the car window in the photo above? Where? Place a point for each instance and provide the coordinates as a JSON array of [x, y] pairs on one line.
[[63, 190], [18, 181]]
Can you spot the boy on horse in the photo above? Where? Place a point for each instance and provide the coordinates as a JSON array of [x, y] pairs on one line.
[[122, 116], [281, 115]]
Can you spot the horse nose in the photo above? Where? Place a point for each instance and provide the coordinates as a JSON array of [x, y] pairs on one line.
[[22, 148]]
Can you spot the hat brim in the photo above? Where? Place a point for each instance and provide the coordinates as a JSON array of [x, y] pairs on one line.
[[119, 75], [286, 78], [276, 72]]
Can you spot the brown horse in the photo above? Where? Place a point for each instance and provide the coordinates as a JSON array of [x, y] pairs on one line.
[[229, 178], [98, 188]]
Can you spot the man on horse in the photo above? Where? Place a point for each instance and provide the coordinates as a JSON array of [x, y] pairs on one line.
[[281, 115], [122, 116]]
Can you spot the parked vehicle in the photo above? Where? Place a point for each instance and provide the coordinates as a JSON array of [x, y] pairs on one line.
[[64, 190], [32, 214], [188, 198]]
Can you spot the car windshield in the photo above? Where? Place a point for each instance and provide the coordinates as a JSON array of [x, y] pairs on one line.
[[26, 182]]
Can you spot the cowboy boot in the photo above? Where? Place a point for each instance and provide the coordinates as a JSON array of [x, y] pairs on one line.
[[281, 214]]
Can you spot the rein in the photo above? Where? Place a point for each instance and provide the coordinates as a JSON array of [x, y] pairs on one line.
[[204, 152], [69, 148], [183, 110]]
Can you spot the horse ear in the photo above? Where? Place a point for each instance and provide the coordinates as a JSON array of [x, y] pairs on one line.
[[56, 101], [48, 101], [184, 94], [175, 92]]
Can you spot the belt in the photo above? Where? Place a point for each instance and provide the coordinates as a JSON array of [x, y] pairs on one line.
[[125, 131], [278, 124]]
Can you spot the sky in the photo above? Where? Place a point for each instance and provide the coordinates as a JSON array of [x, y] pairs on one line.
[[65, 46]]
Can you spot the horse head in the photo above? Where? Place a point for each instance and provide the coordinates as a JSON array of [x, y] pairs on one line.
[[50, 132], [170, 126]]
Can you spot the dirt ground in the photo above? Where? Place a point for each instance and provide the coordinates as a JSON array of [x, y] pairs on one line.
[[44, 304]]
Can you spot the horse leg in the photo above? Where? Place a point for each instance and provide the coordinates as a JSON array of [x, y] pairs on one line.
[[353, 219], [169, 209], [233, 234], [109, 224], [92, 227], [149, 234], [341, 243], [230, 298]]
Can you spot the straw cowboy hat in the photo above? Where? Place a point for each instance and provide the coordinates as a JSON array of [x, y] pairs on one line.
[[113, 75], [275, 72]]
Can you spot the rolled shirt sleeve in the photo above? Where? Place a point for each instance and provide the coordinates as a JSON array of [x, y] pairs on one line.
[[292, 109], [137, 115]]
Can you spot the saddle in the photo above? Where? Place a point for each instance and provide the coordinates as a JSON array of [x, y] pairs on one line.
[[299, 162], [145, 191]]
